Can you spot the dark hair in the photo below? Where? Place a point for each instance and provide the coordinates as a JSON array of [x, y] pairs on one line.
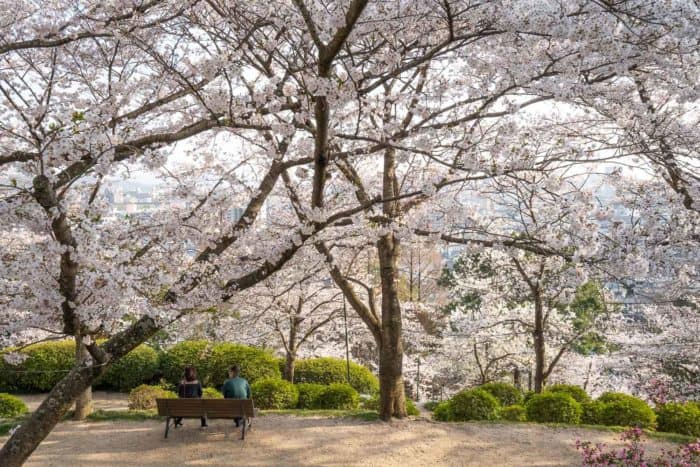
[[235, 369], [190, 373]]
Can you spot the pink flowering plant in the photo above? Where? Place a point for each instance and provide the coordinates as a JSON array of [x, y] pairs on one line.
[[632, 454]]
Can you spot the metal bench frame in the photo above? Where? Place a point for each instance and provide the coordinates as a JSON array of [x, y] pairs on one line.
[[207, 408]]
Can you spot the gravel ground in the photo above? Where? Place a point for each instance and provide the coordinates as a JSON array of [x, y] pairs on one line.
[[288, 440]]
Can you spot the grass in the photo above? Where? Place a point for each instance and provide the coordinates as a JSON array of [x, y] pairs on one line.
[[368, 415], [128, 415], [8, 424]]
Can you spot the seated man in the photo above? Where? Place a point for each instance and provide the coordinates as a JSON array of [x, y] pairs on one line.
[[236, 387]]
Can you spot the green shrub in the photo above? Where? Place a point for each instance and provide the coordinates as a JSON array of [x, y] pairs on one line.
[[211, 393], [557, 407], [443, 412], [339, 396], [514, 413], [624, 410], [430, 405], [679, 418], [475, 404], [592, 412], [137, 367], [46, 364], [144, 397], [187, 353], [256, 364], [507, 394], [274, 393], [527, 395], [576, 392], [212, 362], [11, 406], [334, 370], [411, 408], [309, 395]]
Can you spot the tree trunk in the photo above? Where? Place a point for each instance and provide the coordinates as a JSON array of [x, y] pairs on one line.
[[33, 431], [538, 335], [392, 396], [289, 367], [83, 404]]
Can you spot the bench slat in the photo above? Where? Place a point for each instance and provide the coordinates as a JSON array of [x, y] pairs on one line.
[[211, 408]]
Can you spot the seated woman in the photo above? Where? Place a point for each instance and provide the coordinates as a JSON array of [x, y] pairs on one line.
[[189, 388]]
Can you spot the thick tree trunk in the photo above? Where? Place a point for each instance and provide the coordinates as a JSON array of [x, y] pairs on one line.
[[392, 396], [83, 403], [33, 431], [538, 335]]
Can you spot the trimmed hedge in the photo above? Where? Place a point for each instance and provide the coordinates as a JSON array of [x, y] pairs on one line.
[[137, 367], [212, 362], [274, 394], [339, 396], [309, 395], [507, 394], [11, 406], [333, 370], [46, 364], [475, 404], [576, 392], [211, 393], [681, 418], [553, 407], [621, 409], [514, 413], [144, 397]]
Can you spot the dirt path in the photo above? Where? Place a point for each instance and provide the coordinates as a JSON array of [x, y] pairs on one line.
[[286, 440]]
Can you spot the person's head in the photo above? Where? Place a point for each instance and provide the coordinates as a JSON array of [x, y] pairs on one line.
[[234, 371], [190, 373]]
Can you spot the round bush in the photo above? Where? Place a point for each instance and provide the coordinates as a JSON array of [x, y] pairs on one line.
[[334, 370], [592, 412], [144, 397], [339, 396], [256, 364], [443, 412], [553, 407], [174, 360], [475, 404], [576, 392], [211, 393], [679, 418], [430, 405], [274, 394], [507, 394], [11, 406], [309, 395], [624, 410], [139, 366], [514, 413]]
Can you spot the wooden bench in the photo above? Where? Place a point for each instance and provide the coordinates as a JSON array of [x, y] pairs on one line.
[[209, 408]]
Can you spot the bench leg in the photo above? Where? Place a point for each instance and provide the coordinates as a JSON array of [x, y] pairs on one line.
[[245, 422], [167, 426]]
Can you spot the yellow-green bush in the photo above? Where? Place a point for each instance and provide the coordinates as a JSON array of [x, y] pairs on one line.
[[339, 396], [553, 407], [514, 413], [475, 404], [309, 395], [507, 394], [334, 370], [211, 393], [274, 393], [576, 392], [443, 412], [144, 397], [11, 406], [621, 409], [137, 367], [683, 418], [46, 364]]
